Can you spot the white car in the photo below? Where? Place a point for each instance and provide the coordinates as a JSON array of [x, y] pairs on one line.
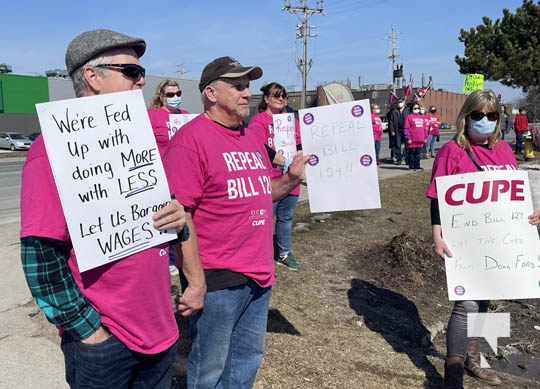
[[14, 141]]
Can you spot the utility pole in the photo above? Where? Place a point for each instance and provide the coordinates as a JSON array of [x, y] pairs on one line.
[[303, 13], [397, 72], [182, 71]]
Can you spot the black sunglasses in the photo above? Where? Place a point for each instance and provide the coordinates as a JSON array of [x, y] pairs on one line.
[[172, 94], [130, 70], [277, 95], [492, 116]]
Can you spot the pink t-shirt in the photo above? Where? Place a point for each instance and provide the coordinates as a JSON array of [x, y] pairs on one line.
[[132, 295], [415, 129], [434, 123], [224, 177], [262, 125], [159, 118], [452, 159], [376, 123]]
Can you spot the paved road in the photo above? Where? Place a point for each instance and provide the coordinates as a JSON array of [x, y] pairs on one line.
[[10, 177]]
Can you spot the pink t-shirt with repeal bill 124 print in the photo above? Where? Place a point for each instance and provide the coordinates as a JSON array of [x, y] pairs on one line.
[[453, 159], [223, 175]]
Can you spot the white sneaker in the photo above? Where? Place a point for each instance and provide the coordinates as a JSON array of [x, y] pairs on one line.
[[173, 270]]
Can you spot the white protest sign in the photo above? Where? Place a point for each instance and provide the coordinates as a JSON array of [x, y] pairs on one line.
[[284, 134], [177, 120], [342, 172], [484, 221], [108, 173]]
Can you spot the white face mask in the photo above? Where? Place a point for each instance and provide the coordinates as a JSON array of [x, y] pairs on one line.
[[378, 110], [400, 105], [422, 112]]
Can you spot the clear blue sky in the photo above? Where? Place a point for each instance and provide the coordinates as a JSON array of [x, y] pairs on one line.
[[352, 39]]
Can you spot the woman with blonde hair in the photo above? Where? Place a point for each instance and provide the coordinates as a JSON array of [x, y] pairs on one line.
[[167, 100], [476, 146]]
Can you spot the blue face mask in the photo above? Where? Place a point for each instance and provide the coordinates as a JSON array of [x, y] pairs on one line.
[[174, 102], [482, 129]]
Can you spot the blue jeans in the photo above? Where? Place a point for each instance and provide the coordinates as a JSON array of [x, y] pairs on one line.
[[414, 155], [377, 150], [431, 144], [284, 211], [110, 364], [228, 337], [518, 148]]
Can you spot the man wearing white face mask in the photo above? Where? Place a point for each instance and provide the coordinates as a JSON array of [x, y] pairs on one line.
[[167, 100], [476, 146]]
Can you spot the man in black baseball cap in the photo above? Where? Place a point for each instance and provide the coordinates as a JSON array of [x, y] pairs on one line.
[[117, 324], [221, 172], [227, 67]]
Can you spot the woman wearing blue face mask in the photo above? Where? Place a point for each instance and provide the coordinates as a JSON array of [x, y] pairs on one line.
[[476, 146], [166, 101]]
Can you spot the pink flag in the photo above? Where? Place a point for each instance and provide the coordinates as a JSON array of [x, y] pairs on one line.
[[392, 98], [422, 91], [408, 90]]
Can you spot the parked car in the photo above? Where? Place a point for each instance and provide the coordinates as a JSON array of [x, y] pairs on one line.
[[33, 136], [14, 141], [445, 126]]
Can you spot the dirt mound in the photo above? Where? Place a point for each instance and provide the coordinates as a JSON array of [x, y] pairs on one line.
[[413, 264]]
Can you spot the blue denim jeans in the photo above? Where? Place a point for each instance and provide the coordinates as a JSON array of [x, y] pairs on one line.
[[414, 154], [284, 211], [431, 144], [228, 337], [377, 150], [110, 364], [518, 147]]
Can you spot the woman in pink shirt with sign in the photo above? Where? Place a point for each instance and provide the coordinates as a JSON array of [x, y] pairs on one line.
[[477, 146], [274, 101], [167, 100]]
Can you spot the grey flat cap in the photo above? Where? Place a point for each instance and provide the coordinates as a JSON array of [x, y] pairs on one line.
[[90, 43]]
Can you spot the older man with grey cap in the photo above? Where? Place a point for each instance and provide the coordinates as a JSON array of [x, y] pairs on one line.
[[229, 195], [116, 321]]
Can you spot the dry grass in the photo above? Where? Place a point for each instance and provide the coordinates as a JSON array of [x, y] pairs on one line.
[[369, 306]]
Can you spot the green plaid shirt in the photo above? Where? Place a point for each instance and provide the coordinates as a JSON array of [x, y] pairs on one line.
[[52, 285]]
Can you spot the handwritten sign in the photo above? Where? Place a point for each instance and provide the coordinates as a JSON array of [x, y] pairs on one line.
[[473, 82], [284, 134], [108, 173], [342, 172], [177, 120], [484, 221]]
